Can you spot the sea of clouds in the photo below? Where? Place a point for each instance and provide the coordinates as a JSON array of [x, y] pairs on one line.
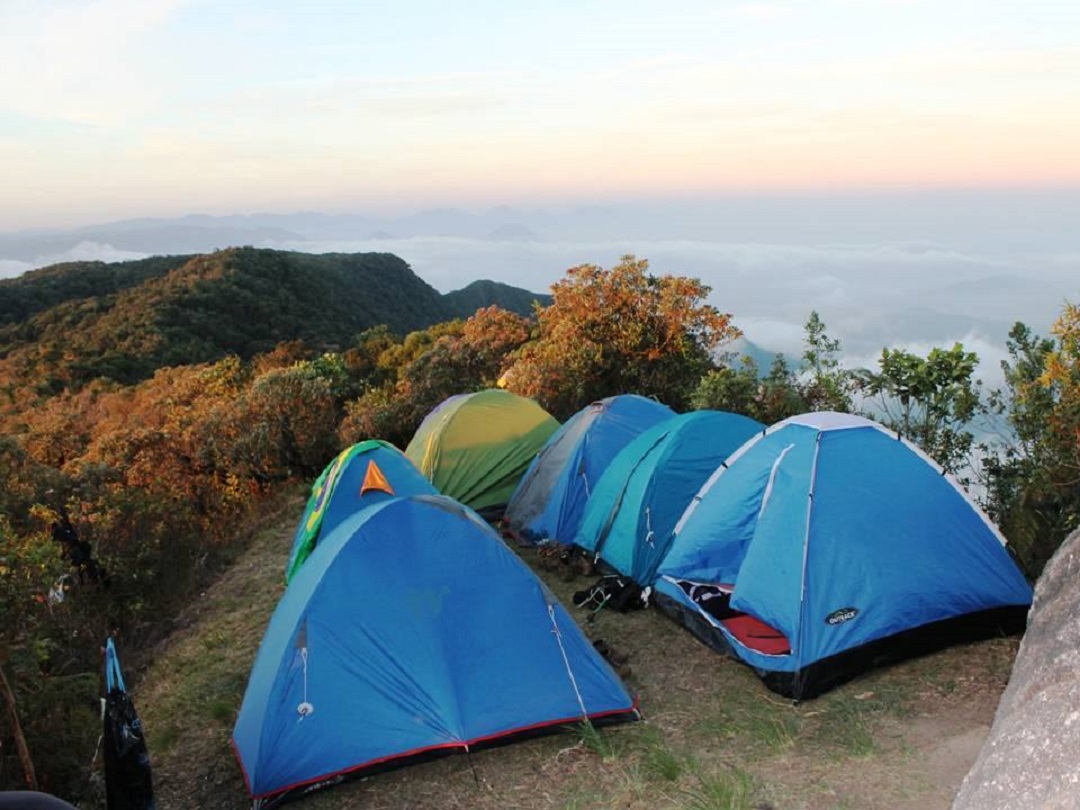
[[870, 296], [912, 295]]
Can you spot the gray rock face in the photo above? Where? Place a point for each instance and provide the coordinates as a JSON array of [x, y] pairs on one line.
[[1031, 760]]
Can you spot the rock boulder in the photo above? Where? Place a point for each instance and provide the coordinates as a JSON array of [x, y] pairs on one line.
[[1031, 760]]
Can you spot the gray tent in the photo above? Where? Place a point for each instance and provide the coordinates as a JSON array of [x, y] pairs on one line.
[[550, 500]]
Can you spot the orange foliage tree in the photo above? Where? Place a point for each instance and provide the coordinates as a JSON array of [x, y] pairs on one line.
[[1045, 413], [617, 331], [289, 420], [160, 481], [431, 365], [1061, 378]]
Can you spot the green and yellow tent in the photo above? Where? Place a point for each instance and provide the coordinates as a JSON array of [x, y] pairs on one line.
[[475, 447], [364, 474]]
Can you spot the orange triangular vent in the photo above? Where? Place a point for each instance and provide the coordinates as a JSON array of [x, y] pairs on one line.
[[375, 480]]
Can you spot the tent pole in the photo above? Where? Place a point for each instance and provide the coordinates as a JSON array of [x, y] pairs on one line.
[[799, 636]]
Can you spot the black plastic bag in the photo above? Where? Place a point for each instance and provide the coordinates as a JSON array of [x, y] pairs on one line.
[[128, 785]]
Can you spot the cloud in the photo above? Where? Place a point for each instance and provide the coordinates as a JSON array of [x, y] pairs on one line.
[[82, 252], [773, 335], [870, 296], [9, 268], [359, 101], [80, 62], [762, 11], [991, 354]]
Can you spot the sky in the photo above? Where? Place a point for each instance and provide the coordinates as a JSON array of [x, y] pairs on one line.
[[123, 108], [909, 169]]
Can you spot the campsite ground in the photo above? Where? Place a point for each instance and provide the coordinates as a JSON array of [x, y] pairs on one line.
[[713, 736]]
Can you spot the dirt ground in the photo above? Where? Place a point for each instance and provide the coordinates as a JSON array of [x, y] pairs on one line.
[[713, 737]]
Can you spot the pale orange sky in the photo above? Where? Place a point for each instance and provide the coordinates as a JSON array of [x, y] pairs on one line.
[[115, 108]]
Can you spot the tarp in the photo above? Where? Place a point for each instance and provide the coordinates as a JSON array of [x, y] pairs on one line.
[[550, 500], [475, 447], [630, 519], [361, 475], [411, 630]]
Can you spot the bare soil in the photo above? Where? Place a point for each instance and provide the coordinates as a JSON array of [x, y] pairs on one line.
[[713, 737]]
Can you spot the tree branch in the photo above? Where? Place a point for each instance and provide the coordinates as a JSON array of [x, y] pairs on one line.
[[16, 728]]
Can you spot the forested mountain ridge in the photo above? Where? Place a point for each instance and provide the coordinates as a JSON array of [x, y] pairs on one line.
[[41, 289], [480, 294], [65, 325]]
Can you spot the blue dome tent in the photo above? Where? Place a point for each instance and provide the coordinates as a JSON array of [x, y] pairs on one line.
[[550, 500], [827, 545], [411, 631], [630, 519]]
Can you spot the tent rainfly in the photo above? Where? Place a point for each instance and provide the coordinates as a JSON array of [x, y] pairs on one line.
[[364, 474]]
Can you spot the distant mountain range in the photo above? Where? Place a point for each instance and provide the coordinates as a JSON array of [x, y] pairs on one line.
[[975, 220], [67, 324], [201, 233], [908, 269]]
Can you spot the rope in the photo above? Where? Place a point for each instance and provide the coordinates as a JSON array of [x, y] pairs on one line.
[[305, 708], [92, 770], [569, 671], [303, 657], [475, 775], [592, 616]]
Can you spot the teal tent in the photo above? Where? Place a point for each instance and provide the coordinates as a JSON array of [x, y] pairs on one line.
[[550, 500]]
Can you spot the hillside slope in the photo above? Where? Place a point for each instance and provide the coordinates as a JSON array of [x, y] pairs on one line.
[[65, 325], [39, 290]]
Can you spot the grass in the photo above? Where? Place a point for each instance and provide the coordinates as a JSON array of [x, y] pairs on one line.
[[849, 726], [778, 733], [713, 736], [584, 800], [731, 789], [604, 745], [190, 696], [660, 761]]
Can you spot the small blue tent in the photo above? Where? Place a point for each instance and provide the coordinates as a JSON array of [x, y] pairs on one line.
[[412, 630], [550, 500], [827, 545], [361, 475], [630, 519]]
